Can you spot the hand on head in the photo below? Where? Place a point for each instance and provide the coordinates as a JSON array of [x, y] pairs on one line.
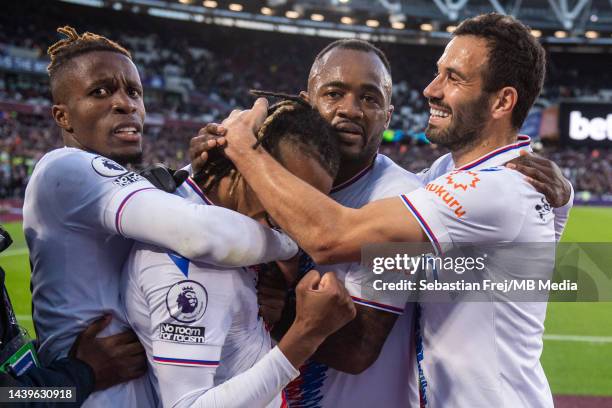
[[209, 137], [236, 133]]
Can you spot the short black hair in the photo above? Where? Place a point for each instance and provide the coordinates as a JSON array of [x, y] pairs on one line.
[[292, 120], [73, 46], [357, 45], [515, 59]]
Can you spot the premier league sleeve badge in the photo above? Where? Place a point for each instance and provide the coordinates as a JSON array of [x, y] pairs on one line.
[[187, 301]]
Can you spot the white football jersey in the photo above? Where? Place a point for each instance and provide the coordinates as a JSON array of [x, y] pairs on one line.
[[391, 381], [199, 324], [483, 354], [445, 164], [79, 210], [77, 254]]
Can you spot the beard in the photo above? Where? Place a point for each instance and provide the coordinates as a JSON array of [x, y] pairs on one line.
[[467, 123]]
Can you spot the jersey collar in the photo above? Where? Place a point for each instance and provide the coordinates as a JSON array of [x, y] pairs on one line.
[[501, 155], [355, 178]]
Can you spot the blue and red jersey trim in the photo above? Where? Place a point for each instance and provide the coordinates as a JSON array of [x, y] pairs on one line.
[[186, 362], [353, 179], [376, 305], [122, 207], [523, 142], [198, 190], [420, 354], [305, 390], [428, 231]]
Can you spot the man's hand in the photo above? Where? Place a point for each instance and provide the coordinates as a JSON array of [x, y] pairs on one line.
[[545, 176], [113, 359], [323, 304], [242, 127], [208, 138]]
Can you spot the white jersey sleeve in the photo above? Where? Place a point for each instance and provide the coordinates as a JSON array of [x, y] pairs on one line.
[[101, 194], [190, 327], [463, 206]]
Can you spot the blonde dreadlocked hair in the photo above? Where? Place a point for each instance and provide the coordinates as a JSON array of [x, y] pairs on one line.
[[74, 45], [292, 119]]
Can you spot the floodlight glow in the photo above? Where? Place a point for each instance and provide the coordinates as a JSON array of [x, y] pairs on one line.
[[317, 17]]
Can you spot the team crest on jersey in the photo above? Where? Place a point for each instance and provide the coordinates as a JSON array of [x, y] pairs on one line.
[[187, 301], [462, 179], [107, 167], [543, 209], [447, 196]]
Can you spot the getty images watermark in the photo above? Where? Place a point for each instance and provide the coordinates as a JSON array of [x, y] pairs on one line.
[[524, 272]]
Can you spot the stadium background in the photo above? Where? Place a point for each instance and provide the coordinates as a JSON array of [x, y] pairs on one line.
[[198, 60]]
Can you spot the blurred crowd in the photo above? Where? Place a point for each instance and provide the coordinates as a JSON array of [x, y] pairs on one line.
[[199, 73]]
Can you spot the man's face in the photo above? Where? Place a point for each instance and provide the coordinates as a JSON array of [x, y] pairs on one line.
[[459, 109], [102, 109], [352, 90]]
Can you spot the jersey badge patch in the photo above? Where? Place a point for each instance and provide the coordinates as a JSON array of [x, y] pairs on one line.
[[178, 333], [449, 199], [462, 180], [127, 179], [107, 167], [543, 208], [187, 301]]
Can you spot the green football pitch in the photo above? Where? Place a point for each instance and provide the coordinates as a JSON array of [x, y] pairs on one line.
[[577, 354]]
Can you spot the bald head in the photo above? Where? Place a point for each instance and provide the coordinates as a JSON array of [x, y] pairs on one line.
[[342, 65], [351, 88]]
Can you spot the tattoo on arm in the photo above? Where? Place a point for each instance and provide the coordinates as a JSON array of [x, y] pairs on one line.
[[357, 345]]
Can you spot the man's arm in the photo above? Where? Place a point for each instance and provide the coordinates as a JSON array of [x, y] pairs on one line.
[[352, 349], [357, 345], [323, 307], [94, 364], [327, 231], [129, 205], [198, 232]]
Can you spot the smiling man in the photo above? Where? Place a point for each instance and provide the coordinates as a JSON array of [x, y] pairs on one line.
[[471, 354], [83, 209]]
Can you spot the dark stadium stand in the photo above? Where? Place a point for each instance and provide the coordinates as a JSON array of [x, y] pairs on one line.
[[195, 73]]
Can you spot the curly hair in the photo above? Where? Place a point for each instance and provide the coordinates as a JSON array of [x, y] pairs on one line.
[[292, 120], [74, 45]]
